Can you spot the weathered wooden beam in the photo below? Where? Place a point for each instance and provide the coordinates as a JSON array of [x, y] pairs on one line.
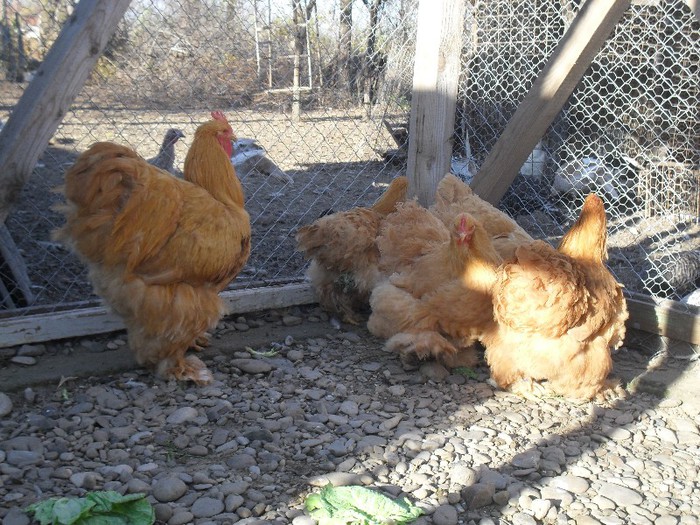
[[57, 82], [547, 96], [99, 320], [668, 318], [18, 271], [434, 99]]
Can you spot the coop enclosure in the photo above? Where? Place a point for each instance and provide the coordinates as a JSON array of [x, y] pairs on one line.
[[325, 86]]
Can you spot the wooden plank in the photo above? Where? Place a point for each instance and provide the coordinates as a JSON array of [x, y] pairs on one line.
[[434, 98], [550, 91], [99, 320], [57, 82], [694, 6], [668, 318]]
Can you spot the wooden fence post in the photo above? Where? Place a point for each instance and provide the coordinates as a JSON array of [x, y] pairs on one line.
[[435, 82], [45, 101]]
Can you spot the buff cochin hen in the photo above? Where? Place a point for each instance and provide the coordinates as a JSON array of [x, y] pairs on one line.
[[559, 313], [160, 249], [344, 255], [437, 303], [454, 196]]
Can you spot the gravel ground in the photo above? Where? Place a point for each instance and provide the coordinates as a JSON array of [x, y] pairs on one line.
[[326, 403]]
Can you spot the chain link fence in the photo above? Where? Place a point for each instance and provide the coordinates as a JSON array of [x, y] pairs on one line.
[[629, 132], [325, 88], [313, 102]]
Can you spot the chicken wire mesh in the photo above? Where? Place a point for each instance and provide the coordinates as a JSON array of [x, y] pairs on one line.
[[170, 63], [628, 132]]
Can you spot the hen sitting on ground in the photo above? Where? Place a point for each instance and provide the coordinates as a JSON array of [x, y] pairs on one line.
[[453, 197], [344, 255], [438, 300], [559, 312]]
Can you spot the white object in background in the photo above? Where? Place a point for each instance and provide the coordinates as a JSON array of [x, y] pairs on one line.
[[534, 165], [249, 155], [693, 298], [583, 176]]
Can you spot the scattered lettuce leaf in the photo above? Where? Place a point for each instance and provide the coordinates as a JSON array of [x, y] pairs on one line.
[[269, 353], [466, 371], [96, 508], [354, 505]]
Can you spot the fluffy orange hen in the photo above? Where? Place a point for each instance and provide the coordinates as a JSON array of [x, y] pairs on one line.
[[453, 196], [160, 249], [344, 254], [559, 312], [438, 302]]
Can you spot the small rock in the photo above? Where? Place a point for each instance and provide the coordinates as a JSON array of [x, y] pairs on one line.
[[434, 371], [303, 520], [181, 518], [169, 489], [559, 497], [207, 507], [252, 366], [135, 486], [397, 390], [522, 518], [84, 480], [24, 360], [391, 423], [241, 461], [163, 512], [525, 460], [478, 495], [540, 507], [620, 495], [349, 408], [291, 320], [16, 516], [337, 479], [31, 350], [232, 502], [570, 484], [29, 395], [295, 355], [182, 415], [445, 515], [23, 458], [5, 404], [461, 474]]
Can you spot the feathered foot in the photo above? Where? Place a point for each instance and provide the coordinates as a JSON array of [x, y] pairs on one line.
[[188, 368], [528, 388], [611, 392], [464, 357], [201, 342], [421, 345]]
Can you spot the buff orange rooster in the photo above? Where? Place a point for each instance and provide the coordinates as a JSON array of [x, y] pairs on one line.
[[559, 313], [344, 254], [160, 249], [437, 303]]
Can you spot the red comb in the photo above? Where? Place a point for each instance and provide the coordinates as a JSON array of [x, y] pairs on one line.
[[465, 230], [218, 115]]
